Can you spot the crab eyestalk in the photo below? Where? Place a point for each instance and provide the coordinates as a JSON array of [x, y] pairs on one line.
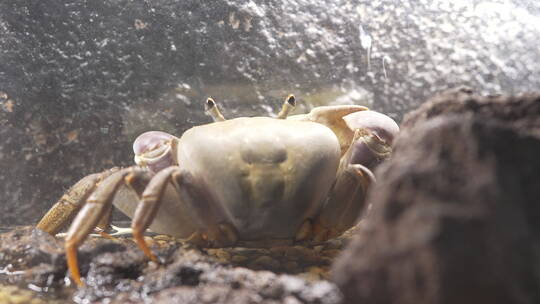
[[155, 150], [211, 109], [288, 106]]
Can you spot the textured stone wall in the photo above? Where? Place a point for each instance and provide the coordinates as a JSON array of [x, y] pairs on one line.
[[80, 79]]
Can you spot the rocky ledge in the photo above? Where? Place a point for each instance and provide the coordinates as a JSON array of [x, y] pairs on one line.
[[116, 271]]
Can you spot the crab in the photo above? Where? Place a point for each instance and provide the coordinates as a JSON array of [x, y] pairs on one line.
[[248, 180]]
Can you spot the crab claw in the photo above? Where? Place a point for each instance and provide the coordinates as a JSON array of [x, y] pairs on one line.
[[374, 133], [155, 150]]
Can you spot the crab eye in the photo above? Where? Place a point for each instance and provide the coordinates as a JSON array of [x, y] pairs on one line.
[[373, 138], [382, 126], [211, 109], [288, 106], [154, 150]]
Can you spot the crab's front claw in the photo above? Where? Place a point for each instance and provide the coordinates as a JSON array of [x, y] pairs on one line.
[[374, 133], [155, 150], [370, 145], [332, 117]]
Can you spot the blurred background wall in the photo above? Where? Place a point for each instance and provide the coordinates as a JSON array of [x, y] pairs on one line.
[[79, 80]]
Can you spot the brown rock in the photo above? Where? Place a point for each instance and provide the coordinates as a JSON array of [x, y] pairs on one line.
[[310, 276], [290, 266], [163, 237], [519, 112], [238, 259], [118, 272], [265, 262], [222, 254], [455, 212], [331, 253]]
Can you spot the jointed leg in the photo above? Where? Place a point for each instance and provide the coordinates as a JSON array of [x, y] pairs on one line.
[[346, 200], [212, 231], [147, 208], [98, 204], [71, 202]]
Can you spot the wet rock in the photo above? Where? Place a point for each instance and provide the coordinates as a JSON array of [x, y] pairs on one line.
[[32, 256], [275, 290], [111, 268], [206, 294], [291, 259], [455, 212], [116, 271], [206, 282]]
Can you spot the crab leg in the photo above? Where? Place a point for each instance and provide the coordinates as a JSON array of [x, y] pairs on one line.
[[105, 222], [148, 206], [71, 202], [215, 232], [333, 118], [370, 145], [97, 205], [345, 202]]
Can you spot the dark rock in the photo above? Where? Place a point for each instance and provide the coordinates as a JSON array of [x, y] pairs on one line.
[[519, 112], [31, 255], [118, 272], [178, 274], [454, 217], [109, 268]]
